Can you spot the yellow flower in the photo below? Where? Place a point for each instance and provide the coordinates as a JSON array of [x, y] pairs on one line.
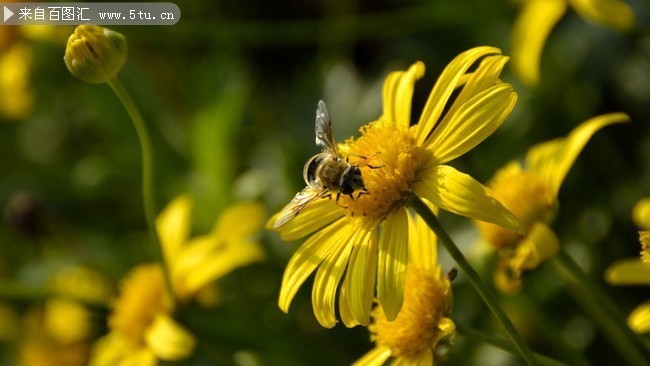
[[411, 338], [635, 271], [95, 54], [537, 18], [15, 63], [346, 237], [142, 328], [530, 192]]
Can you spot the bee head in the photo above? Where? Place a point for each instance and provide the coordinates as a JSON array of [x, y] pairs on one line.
[[351, 180]]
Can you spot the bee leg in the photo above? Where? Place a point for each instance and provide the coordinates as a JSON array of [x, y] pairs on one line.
[[338, 195], [351, 196], [375, 166]]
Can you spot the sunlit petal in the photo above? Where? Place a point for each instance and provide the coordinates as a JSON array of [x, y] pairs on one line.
[[362, 272], [309, 256], [169, 340], [323, 295], [217, 264], [552, 160], [318, 214], [444, 87], [613, 13], [376, 357], [393, 257], [539, 244], [398, 94], [531, 29], [173, 225], [639, 319], [641, 214], [456, 192], [628, 272], [473, 122], [239, 220], [422, 248]]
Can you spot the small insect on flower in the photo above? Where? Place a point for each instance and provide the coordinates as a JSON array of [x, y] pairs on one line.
[[325, 173]]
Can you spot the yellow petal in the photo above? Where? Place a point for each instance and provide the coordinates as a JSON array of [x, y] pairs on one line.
[[67, 321], [376, 357], [628, 272], [173, 225], [17, 97], [552, 160], [398, 94], [309, 256], [393, 257], [422, 248], [169, 340], [323, 295], [531, 29], [113, 349], [485, 76], [538, 245], [361, 274], [444, 87], [459, 193], [240, 220], [313, 217], [217, 264], [422, 358], [612, 13], [641, 213], [344, 306], [472, 123], [639, 319]]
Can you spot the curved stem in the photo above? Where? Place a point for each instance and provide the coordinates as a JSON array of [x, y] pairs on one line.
[[501, 344], [147, 174], [476, 281], [602, 310]]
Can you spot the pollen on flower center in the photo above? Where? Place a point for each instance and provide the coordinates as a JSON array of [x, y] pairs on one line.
[[396, 156], [525, 195], [417, 327], [644, 238]]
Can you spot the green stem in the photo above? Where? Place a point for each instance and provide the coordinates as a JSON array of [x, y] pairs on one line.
[[501, 344], [430, 218], [602, 310], [147, 174]]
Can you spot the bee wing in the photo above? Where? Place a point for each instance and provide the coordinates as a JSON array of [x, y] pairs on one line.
[[300, 201], [324, 132]]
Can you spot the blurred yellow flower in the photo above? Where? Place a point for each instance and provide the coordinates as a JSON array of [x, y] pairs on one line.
[[56, 334], [411, 339], [142, 328], [15, 63], [530, 192], [538, 17], [636, 271], [346, 237]]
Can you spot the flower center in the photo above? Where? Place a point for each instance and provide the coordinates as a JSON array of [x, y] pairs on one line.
[[525, 195], [143, 296], [393, 158], [427, 299], [644, 237]]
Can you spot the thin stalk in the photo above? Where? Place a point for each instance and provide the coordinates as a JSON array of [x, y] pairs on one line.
[[602, 310], [476, 281], [147, 175], [501, 344]]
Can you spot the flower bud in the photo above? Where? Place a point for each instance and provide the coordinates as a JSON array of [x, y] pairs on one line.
[[95, 54]]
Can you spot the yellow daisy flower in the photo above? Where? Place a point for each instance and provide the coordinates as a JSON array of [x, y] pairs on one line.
[[365, 238], [530, 192], [142, 328], [537, 18], [411, 339], [635, 271]]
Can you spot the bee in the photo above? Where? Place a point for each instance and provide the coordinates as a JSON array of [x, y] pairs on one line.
[[325, 173]]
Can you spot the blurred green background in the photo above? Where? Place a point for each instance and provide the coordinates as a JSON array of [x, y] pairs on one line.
[[229, 94]]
